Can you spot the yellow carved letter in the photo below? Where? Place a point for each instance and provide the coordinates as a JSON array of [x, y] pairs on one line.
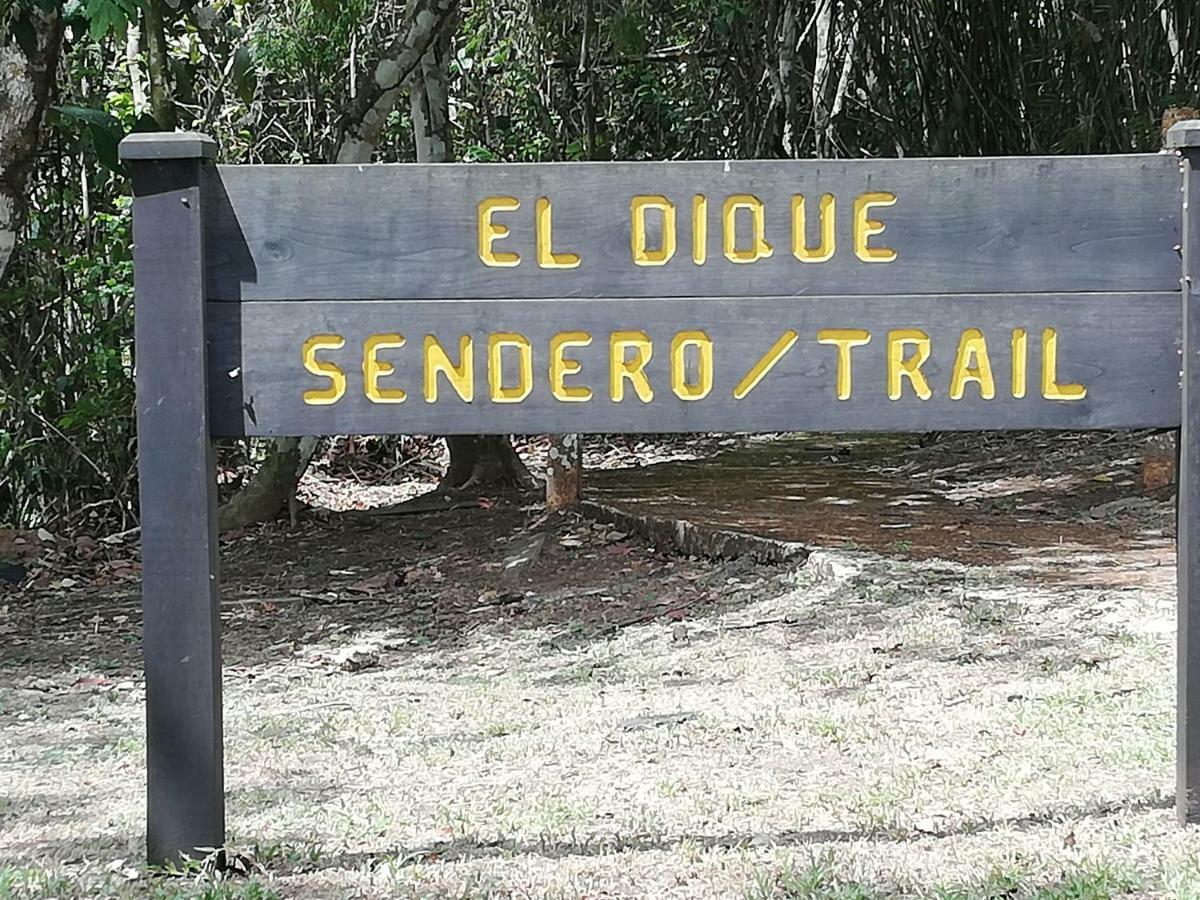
[[800, 249], [843, 339], [620, 368], [684, 389], [662, 254], [546, 256], [865, 227], [461, 377], [900, 367], [496, 344], [699, 229], [561, 367], [759, 248], [1051, 389], [1020, 347], [764, 365], [489, 232], [324, 368], [971, 363], [374, 368]]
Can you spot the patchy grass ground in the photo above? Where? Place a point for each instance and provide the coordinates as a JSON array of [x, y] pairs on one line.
[[405, 717]]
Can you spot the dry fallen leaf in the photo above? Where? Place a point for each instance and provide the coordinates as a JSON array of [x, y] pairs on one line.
[[93, 681], [384, 581], [421, 574]]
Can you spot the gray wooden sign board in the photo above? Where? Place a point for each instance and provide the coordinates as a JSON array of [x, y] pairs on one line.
[[874, 295]]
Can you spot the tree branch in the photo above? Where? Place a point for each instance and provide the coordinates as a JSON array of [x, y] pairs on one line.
[[362, 122]]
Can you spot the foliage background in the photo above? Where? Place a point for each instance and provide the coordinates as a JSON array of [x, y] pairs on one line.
[[529, 80]]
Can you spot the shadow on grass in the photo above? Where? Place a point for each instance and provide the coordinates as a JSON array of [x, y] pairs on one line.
[[465, 849], [431, 580]]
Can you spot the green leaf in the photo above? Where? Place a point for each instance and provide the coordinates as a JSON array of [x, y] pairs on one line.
[[102, 128], [106, 141], [89, 115], [109, 17], [244, 73], [146, 122]]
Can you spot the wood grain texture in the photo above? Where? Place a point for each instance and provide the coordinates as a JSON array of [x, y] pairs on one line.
[[1064, 224], [1124, 348]]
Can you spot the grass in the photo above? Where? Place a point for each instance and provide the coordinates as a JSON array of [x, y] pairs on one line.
[[816, 880], [43, 884], [900, 743], [820, 880]]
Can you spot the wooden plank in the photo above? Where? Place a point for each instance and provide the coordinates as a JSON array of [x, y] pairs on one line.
[[1064, 224], [1123, 349], [180, 573], [1185, 136]]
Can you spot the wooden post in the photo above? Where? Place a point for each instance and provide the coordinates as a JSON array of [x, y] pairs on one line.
[[1184, 138], [185, 803]]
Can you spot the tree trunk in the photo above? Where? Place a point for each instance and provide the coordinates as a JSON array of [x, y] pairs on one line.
[[162, 100], [564, 471], [820, 107], [133, 53], [485, 461], [360, 130], [272, 487], [476, 461], [564, 462], [26, 89]]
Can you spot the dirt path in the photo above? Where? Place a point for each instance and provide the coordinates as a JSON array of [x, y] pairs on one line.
[[973, 497], [410, 713]]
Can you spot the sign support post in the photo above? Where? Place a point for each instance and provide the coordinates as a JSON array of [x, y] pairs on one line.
[[1184, 137], [180, 576]]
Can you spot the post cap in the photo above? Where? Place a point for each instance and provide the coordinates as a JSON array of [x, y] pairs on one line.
[[1184, 135], [168, 145]]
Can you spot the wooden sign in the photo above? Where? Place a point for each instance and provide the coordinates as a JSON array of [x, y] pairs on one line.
[[692, 229], [887, 295], [904, 363]]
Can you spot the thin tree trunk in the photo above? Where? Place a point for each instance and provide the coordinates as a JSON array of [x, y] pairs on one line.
[[786, 80], [27, 86], [820, 108], [158, 66], [361, 125], [133, 52], [273, 486], [476, 461], [564, 458], [564, 471]]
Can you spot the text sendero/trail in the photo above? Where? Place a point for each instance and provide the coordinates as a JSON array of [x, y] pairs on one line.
[[506, 373]]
